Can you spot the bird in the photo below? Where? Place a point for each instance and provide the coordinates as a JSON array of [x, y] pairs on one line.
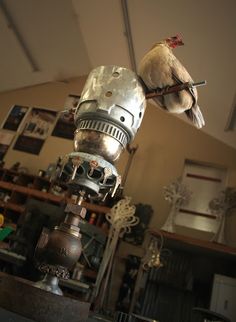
[[160, 69]]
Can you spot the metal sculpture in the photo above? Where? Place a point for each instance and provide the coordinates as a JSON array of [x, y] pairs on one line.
[[220, 206], [178, 195]]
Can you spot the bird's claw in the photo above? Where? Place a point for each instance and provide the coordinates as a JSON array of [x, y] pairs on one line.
[[158, 90], [166, 89]]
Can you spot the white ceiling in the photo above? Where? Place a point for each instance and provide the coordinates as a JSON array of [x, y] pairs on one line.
[[68, 38]]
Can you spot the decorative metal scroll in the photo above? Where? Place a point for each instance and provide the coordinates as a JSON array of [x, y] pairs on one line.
[[155, 253], [121, 218], [178, 195], [220, 206]]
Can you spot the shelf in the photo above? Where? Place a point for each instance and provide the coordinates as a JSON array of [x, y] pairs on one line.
[[193, 244], [19, 191], [4, 245], [49, 197], [12, 206], [11, 257], [90, 273], [74, 285]]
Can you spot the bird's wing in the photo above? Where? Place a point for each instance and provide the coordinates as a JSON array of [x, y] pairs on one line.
[[195, 115], [149, 80], [181, 75]]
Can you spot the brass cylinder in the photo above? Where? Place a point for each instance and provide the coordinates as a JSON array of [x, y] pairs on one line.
[[63, 249]]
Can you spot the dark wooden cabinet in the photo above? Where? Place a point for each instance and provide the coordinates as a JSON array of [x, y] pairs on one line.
[[185, 281]]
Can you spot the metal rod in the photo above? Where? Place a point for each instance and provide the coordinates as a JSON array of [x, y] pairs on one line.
[[131, 151], [12, 25], [202, 83], [173, 89], [128, 34], [81, 197]]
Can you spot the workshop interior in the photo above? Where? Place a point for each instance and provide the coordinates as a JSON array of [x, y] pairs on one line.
[[117, 161]]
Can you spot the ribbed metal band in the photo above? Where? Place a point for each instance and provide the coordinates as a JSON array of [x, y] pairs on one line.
[[104, 127], [55, 270]]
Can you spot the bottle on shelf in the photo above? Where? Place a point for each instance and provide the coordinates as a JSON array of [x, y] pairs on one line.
[[92, 219]]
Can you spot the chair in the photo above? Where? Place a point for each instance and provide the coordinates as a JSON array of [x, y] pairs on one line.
[[210, 316]]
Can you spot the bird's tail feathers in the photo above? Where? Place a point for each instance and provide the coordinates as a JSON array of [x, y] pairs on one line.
[[195, 115]]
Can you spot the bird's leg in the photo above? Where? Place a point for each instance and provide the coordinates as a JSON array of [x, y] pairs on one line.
[[165, 90], [158, 90]]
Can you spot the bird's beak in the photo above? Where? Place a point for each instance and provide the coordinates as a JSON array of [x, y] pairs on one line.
[[177, 41], [180, 43], [174, 41]]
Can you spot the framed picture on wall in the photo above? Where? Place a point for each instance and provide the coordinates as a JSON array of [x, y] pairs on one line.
[[38, 126], [28, 144], [6, 139], [65, 127], [15, 117]]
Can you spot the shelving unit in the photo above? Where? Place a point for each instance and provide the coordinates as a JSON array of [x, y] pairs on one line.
[[16, 188], [16, 193]]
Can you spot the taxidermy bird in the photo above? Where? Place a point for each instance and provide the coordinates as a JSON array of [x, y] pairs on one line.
[[160, 69]]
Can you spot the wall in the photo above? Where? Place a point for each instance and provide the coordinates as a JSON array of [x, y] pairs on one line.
[[51, 96], [164, 142]]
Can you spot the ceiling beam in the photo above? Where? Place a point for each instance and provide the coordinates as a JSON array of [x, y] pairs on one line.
[[128, 34], [11, 24]]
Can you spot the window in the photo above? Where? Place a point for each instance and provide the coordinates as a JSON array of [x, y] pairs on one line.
[[205, 182]]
